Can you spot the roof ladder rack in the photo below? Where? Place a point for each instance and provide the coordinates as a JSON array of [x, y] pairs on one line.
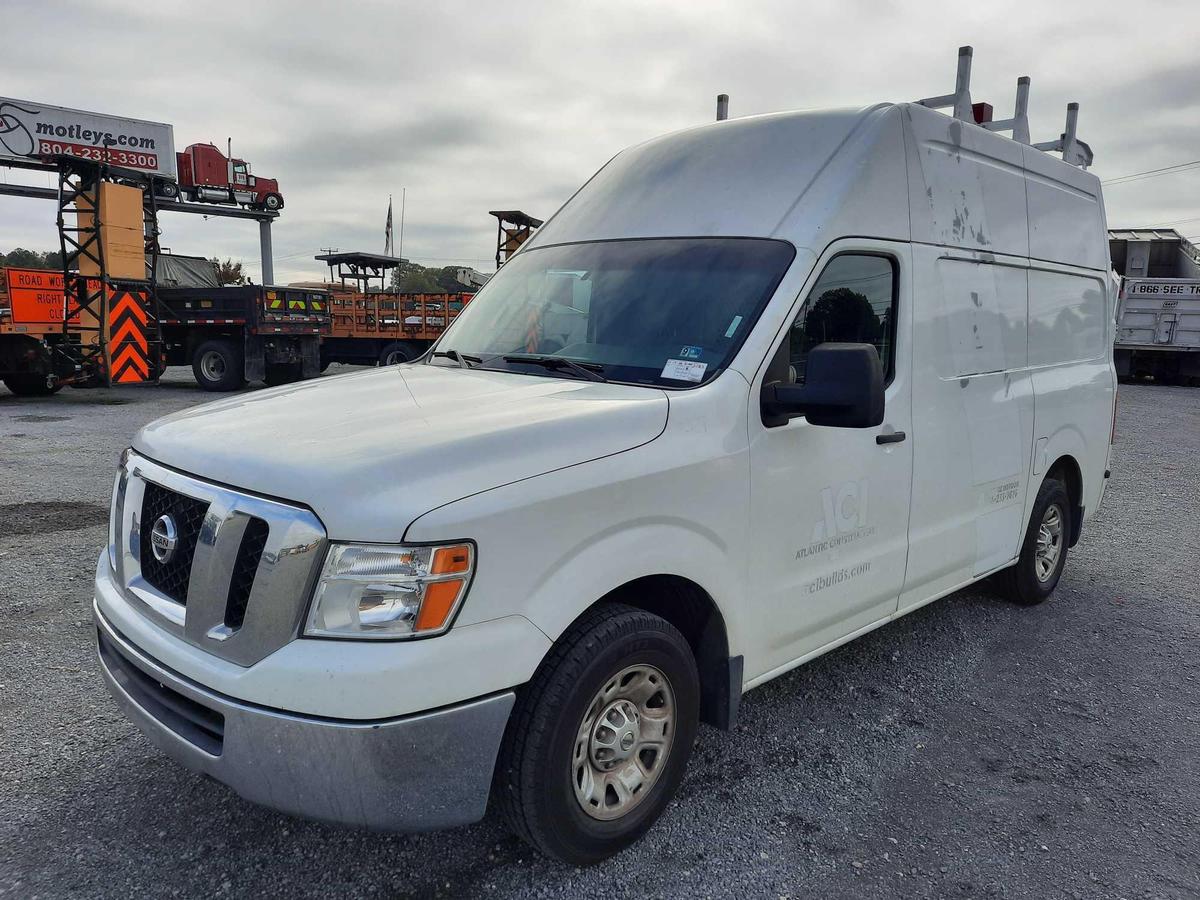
[[1074, 151]]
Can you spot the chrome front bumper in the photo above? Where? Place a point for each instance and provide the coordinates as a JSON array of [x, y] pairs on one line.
[[430, 770]]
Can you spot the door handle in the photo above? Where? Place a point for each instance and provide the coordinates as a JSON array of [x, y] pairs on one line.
[[893, 437]]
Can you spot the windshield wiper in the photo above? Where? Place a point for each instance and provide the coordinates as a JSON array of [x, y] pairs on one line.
[[464, 360], [589, 371]]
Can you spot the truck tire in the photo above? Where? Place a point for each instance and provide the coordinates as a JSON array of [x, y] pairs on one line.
[[1035, 574], [273, 202], [397, 352], [218, 366], [616, 701], [31, 384], [282, 373]]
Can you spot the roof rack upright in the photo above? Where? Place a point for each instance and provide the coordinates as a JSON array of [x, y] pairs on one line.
[[961, 98], [1073, 150], [1019, 123]]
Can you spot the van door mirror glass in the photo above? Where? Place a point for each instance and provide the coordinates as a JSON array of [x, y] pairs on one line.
[[843, 388]]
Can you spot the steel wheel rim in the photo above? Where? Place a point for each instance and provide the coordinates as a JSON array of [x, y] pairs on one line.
[[212, 364], [394, 358], [623, 742], [1049, 543]]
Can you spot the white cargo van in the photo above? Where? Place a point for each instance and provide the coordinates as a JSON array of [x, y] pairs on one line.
[[758, 388]]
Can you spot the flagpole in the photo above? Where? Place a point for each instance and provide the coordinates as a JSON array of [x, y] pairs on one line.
[[403, 196]]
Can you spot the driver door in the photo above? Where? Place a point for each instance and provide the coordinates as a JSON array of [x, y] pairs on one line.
[[829, 506]]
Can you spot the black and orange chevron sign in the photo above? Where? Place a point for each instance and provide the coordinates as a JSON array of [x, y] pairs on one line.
[[130, 351]]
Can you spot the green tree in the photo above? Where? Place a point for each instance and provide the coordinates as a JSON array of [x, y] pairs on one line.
[[229, 272], [841, 315], [411, 277], [20, 258]]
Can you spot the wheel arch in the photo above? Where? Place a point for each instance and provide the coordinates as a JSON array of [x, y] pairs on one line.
[[691, 609], [1066, 469]]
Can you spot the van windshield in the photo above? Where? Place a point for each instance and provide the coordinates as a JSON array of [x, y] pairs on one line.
[[668, 312]]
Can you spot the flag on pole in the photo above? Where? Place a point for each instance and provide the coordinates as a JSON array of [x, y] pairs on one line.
[[387, 231]]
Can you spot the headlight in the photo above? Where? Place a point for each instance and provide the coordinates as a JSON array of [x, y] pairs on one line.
[[389, 591]]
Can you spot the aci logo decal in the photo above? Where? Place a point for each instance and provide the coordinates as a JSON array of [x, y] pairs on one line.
[[845, 510], [844, 518]]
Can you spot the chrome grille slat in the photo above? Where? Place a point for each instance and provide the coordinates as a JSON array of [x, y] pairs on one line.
[[270, 600]]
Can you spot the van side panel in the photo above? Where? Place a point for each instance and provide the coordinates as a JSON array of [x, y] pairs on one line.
[[966, 185], [1070, 354], [1066, 218], [972, 418]]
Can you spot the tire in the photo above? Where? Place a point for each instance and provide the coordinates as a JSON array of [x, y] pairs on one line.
[[547, 757], [31, 384], [218, 366], [1028, 581], [273, 202], [282, 373], [395, 353]]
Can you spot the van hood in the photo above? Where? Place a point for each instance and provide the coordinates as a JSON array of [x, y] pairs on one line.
[[369, 452]]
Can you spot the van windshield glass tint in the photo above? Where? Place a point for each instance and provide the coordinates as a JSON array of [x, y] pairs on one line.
[[668, 312]]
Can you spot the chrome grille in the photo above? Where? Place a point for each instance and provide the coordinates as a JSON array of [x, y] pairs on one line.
[[241, 589]]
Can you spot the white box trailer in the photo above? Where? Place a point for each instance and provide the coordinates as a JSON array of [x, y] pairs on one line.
[[1158, 312]]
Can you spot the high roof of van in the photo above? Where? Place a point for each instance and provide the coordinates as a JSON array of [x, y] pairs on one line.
[[890, 171]]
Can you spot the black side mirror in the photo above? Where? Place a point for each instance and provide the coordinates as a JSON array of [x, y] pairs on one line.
[[843, 388]]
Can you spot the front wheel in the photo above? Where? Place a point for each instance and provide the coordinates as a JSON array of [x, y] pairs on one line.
[[273, 202], [31, 384], [1037, 570], [598, 741]]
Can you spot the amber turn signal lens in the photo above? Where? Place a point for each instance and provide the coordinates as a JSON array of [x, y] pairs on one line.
[[451, 560], [439, 600]]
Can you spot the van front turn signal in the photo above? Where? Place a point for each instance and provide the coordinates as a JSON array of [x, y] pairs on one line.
[[381, 591]]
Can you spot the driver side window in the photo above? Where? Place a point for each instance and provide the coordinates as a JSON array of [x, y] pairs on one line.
[[854, 301]]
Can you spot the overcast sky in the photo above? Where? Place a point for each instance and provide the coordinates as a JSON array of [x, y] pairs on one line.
[[478, 106]]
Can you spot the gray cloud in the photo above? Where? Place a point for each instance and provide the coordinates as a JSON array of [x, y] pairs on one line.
[[473, 107]]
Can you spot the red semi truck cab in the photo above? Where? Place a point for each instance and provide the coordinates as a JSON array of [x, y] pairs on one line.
[[207, 175]]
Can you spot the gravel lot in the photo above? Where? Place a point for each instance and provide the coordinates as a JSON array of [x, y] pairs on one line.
[[972, 748]]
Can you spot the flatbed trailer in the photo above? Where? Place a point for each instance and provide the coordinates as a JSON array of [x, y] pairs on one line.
[[231, 335], [386, 328]]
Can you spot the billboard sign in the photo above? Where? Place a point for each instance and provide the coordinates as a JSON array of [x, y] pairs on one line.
[[31, 130]]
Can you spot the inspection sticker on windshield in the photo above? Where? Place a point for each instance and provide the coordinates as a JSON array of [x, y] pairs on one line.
[[690, 352], [684, 370]]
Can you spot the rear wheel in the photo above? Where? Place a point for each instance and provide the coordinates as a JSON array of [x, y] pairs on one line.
[[282, 373], [600, 738], [218, 366], [397, 352], [31, 384], [1044, 551]]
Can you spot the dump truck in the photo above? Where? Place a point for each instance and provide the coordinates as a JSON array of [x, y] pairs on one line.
[[231, 335], [1158, 310]]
